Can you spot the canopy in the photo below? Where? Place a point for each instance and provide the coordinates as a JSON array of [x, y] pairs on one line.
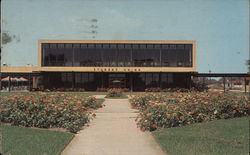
[[8, 79], [116, 81], [23, 79]]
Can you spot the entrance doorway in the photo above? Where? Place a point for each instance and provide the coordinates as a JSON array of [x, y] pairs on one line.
[[117, 80]]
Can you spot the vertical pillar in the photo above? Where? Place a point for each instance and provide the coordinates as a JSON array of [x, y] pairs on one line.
[[9, 83], [43, 80], [231, 83], [245, 84], [160, 80], [102, 83], [131, 81], [160, 58], [34, 78], [224, 84], [73, 81], [29, 82], [189, 80], [203, 81]]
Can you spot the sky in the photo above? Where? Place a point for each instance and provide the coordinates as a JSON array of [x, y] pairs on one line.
[[219, 27]]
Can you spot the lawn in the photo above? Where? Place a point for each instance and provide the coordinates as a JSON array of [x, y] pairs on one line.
[[223, 137], [28, 141]]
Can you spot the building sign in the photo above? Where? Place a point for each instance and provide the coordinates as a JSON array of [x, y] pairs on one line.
[[108, 69]]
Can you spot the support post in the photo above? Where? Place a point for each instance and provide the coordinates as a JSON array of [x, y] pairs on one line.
[[9, 83], [102, 79], [34, 78], [29, 82], [73, 81], [131, 81], [245, 84], [160, 83], [224, 84]]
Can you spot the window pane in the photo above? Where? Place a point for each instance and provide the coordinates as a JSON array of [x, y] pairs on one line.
[[124, 58], [109, 58]]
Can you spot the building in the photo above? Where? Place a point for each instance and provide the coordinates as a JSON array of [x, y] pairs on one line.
[[92, 64]]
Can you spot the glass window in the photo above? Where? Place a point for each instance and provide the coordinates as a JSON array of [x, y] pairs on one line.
[[135, 46], [172, 46], [88, 57], [157, 46], [120, 46], [109, 57], [98, 46], [124, 58], [68, 45], [61, 46], [91, 45], [76, 45], [150, 46], [146, 57], [57, 56], [53, 45], [113, 45], [128, 46], [105, 45], [84, 45], [121, 55], [143, 46], [164, 46], [66, 79], [149, 79]]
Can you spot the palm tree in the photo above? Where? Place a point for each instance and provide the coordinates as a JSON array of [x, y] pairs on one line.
[[248, 65]]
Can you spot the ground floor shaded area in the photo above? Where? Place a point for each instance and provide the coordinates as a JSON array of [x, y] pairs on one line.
[[135, 81]]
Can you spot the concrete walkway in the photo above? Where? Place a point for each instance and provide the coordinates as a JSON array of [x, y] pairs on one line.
[[113, 132]]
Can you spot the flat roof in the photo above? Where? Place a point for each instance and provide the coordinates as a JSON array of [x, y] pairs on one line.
[[120, 41], [221, 74]]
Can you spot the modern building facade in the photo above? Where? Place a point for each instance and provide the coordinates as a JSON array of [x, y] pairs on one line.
[[132, 64], [135, 65]]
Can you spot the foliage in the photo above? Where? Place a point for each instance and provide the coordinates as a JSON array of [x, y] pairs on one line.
[[46, 110], [196, 87], [178, 109], [199, 86], [157, 89], [65, 90], [107, 89], [115, 92]]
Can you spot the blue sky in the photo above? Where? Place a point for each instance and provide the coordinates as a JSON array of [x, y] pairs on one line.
[[220, 27]]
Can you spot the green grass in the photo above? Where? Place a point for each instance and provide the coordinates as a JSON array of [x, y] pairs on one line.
[[124, 96], [222, 137], [28, 141]]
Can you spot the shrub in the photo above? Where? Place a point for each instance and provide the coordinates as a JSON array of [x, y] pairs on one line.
[[157, 89], [102, 89], [48, 110], [178, 109], [115, 92]]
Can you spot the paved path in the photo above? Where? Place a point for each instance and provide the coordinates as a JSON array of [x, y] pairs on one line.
[[113, 132]]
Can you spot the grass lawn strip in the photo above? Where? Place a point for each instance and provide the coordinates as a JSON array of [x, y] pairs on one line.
[[24, 141], [120, 97], [224, 137]]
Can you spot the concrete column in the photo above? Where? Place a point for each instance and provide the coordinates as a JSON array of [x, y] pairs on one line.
[[224, 84], [131, 81], [29, 82], [34, 78], [245, 84], [73, 81]]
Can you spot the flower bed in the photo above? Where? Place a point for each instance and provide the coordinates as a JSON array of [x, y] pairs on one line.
[[115, 92], [46, 110], [178, 109]]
